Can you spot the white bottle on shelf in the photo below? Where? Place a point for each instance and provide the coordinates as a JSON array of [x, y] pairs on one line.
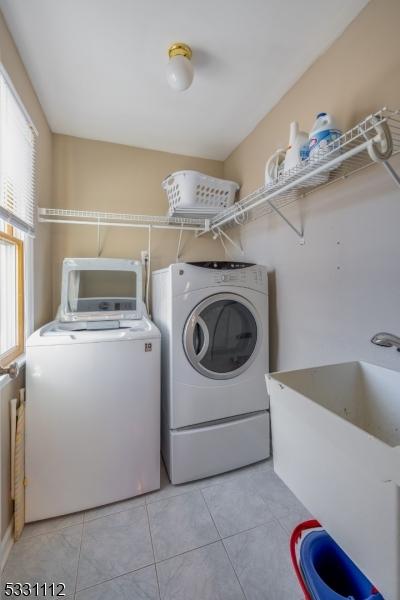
[[274, 166], [324, 131], [298, 141]]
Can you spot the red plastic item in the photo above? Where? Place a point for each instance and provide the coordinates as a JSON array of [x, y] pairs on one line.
[[294, 538]]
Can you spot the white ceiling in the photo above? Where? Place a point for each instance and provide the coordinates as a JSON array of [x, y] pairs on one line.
[[98, 66]]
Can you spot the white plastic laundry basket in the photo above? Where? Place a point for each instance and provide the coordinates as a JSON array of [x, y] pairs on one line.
[[193, 193]]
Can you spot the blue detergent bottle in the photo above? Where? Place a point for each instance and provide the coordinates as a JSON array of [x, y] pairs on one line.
[[323, 132]]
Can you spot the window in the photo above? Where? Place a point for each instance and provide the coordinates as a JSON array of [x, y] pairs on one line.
[[17, 160], [17, 218], [11, 295]]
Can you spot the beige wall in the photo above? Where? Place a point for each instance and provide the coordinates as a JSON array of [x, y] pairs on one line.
[[329, 296], [110, 177], [357, 75], [9, 57]]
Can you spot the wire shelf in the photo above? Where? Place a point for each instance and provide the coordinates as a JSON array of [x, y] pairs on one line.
[[373, 140], [89, 217]]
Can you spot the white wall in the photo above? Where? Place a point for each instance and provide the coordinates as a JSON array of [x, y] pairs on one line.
[[331, 295]]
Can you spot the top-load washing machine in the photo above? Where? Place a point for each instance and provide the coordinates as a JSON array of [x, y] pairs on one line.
[[213, 318], [93, 393]]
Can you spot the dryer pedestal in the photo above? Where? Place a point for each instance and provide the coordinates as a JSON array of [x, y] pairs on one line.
[[205, 450]]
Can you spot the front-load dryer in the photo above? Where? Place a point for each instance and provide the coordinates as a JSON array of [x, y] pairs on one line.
[[213, 319]]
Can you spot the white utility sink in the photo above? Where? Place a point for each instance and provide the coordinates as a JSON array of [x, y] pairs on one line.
[[336, 444]]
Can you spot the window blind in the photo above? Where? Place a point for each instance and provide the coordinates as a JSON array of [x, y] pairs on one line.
[[17, 160]]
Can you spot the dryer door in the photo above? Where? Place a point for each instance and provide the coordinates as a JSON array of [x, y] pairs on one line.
[[221, 336]]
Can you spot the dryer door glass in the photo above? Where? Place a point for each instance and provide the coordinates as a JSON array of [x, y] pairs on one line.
[[221, 336]]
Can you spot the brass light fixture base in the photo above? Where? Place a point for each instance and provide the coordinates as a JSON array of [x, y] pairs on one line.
[[180, 49]]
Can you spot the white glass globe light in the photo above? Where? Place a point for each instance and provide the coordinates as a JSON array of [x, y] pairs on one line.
[[179, 68]]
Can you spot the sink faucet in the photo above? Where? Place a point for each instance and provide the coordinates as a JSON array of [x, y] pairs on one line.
[[388, 340]]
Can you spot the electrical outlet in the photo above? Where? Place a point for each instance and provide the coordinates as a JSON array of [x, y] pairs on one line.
[[144, 256]]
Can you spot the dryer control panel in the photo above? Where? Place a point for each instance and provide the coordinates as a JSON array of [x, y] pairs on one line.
[[191, 276], [255, 276], [221, 265]]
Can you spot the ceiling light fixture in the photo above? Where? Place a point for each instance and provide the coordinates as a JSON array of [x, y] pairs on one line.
[[179, 68]]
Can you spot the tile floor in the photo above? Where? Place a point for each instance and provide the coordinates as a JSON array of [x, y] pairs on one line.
[[222, 538]]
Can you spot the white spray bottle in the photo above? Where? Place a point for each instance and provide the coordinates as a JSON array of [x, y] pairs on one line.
[[298, 147]]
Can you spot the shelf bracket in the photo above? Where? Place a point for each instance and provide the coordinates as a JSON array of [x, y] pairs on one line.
[[205, 229], [383, 137], [298, 232], [219, 233], [391, 172], [178, 249]]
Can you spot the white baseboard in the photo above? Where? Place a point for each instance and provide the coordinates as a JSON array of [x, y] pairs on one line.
[[6, 544]]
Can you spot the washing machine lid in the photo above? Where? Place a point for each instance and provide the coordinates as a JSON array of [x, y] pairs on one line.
[[100, 289], [222, 335], [58, 333]]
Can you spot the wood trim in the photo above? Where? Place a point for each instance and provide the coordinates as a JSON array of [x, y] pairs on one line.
[[14, 352], [6, 544]]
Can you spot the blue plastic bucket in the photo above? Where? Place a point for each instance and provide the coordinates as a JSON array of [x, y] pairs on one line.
[[324, 570]]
